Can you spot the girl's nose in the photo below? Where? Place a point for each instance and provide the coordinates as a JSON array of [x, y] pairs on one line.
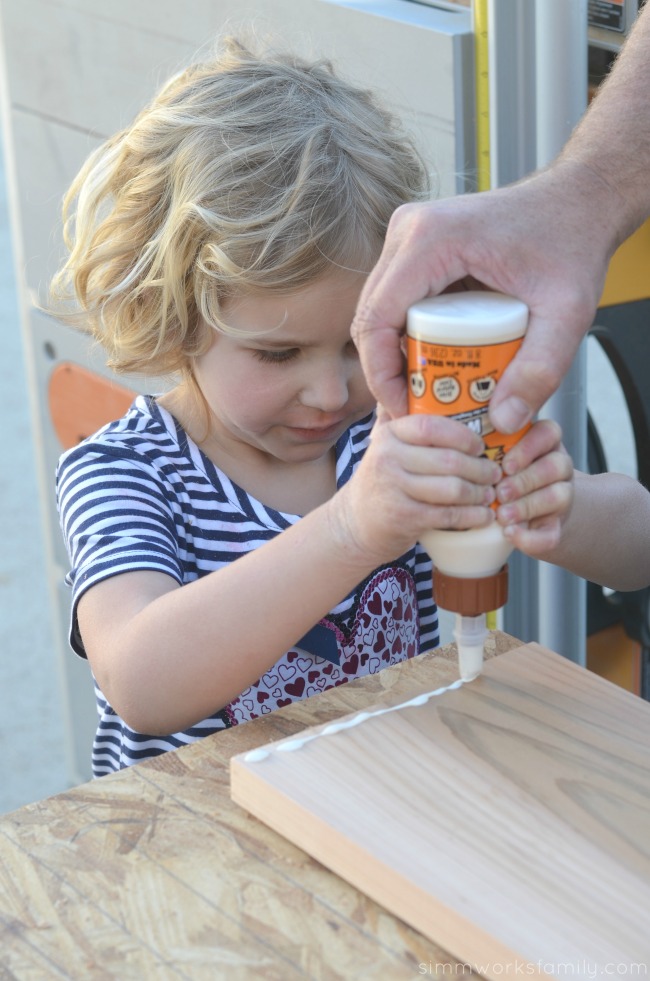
[[327, 388]]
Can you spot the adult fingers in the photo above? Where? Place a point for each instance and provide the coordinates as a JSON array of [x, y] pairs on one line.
[[537, 370], [413, 264]]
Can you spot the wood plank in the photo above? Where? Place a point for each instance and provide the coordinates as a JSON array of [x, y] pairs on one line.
[[155, 871], [507, 820]]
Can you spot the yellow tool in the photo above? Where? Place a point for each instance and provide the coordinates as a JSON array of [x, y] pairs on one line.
[[482, 98], [482, 93]]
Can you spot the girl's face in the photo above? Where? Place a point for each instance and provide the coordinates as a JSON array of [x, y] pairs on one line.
[[291, 391]]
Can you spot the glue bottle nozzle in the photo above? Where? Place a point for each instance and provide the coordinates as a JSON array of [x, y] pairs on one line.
[[470, 634]]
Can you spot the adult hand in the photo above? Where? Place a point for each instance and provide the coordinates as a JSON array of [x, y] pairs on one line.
[[546, 240]]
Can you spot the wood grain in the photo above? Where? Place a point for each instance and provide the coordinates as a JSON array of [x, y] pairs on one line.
[[155, 872], [508, 821]]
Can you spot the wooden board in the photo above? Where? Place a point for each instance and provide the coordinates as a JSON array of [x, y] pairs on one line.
[[508, 820], [154, 873]]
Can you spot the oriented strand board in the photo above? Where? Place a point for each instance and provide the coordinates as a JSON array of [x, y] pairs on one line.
[[507, 820]]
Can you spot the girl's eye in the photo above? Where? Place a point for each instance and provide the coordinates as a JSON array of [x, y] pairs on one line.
[[276, 357]]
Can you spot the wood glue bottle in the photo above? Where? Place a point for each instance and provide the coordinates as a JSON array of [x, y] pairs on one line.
[[458, 345]]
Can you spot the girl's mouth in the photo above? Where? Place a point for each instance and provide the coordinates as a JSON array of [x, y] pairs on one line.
[[317, 434]]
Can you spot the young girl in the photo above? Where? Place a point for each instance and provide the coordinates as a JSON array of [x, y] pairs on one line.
[[230, 550]]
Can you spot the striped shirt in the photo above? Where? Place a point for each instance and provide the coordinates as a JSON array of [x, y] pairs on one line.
[[140, 494]]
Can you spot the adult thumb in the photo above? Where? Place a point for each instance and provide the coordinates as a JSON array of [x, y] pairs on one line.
[[534, 374]]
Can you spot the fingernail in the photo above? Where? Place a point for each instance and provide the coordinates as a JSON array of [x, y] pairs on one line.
[[505, 493], [511, 415]]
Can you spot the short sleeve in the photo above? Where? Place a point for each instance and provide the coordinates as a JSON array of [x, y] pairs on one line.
[[115, 516]]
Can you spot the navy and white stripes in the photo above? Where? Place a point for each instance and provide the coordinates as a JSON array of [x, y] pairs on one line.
[[140, 495]]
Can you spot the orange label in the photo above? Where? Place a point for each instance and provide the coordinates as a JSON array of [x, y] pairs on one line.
[[458, 382]]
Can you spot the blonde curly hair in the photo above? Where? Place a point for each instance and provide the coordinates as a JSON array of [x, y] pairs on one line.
[[244, 174]]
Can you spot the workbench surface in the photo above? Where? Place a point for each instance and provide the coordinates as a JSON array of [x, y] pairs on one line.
[[155, 872]]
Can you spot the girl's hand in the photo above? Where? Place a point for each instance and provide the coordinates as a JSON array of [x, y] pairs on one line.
[[536, 492], [419, 472]]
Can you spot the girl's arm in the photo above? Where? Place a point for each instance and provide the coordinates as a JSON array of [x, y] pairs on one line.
[[596, 526], [167, 656]]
